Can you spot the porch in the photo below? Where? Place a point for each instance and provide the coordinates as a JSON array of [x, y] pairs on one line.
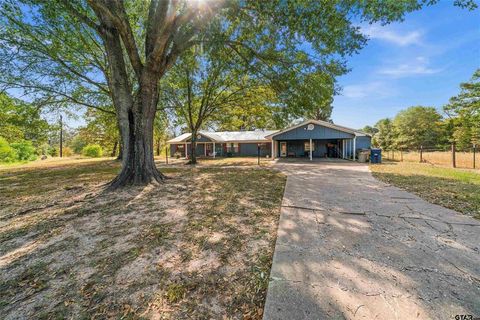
[[315, 148]]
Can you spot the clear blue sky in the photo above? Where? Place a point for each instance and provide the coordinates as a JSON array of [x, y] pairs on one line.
[[420, 61]]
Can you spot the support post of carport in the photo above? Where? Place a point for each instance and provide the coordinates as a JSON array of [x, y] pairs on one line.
[[310, 150], [214, 150], [354, 147], [271, 144], [343, 148], [186, 150]]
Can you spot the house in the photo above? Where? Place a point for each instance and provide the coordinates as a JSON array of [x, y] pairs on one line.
[[311, 138]]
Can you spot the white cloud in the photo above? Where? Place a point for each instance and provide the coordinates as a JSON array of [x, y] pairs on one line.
[[418, 66], [358, 91], [400, 39]]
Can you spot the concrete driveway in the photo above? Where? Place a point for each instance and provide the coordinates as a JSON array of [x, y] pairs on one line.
[[352, 247]]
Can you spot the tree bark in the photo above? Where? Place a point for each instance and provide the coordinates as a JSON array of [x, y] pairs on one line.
[[158, 147], [120, 151], [114, 150], [193, 154], [138, 164]]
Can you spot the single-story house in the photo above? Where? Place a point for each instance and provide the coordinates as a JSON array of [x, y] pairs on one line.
[[311, 138]]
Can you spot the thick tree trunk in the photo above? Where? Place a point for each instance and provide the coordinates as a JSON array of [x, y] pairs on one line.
[[138, 164], [193, 154]]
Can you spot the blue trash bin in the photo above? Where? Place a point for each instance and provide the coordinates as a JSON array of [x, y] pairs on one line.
[[376, 156]]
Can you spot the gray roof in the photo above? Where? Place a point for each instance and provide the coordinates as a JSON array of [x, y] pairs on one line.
[[229, 136]]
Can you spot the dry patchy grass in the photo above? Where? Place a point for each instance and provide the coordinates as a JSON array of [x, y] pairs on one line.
[[219, 162], [198, 246], [440, 158], [457, 189]]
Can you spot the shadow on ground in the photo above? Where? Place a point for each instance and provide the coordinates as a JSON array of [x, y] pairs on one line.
[[352, 247]]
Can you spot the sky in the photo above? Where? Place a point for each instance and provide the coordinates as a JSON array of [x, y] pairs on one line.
[[420, 61]]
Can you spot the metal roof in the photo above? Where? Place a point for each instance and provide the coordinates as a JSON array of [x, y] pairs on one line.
[[321, 123], [229, 136]]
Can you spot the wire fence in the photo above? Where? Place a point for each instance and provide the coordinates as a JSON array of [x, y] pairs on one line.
[[468, 159]]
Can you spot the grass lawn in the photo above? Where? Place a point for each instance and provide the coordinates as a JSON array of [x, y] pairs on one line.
[[457, 189], [198, 246]]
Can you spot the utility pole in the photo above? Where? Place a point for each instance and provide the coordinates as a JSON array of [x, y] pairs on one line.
[[61, 136]]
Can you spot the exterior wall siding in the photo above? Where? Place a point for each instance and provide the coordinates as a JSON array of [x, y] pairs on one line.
[[250, 149], [318, 132], [202, 139], [363, 142]]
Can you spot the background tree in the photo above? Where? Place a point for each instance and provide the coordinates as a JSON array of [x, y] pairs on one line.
[[418, 126], [84, 51], [22, 121], [258, 109], [384, 137], [370, 130], [101, 129], [464, 113], [160, 131], [314, 95], [203, 85]]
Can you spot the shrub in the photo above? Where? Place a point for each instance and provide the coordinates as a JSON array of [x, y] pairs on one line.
[[67, 152], [25, 150], [78, 144], [47, 150], [92, 151], [7, 153]]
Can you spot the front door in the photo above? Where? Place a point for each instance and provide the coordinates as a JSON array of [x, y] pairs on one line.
[[208, 149], [283, 149]]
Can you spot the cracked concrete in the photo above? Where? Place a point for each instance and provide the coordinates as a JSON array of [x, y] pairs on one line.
[[352, 247]]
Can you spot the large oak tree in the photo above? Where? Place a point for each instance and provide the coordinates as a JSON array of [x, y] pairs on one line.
[[81, 51]]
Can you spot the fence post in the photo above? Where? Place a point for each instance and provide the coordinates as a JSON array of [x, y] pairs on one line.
[[166, 154], [474, 149], [454, 164], [393, 155], [421, 154]]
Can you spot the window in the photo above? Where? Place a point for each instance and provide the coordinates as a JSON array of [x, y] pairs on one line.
[[232, 147], [307, 146]]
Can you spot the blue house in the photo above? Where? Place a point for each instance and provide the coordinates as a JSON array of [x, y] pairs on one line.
[[311, 139]]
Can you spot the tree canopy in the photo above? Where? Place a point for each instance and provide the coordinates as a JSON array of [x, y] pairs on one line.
[[21, 121], [464, 112]]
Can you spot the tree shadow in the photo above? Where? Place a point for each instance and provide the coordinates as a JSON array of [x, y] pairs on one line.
[[369, 250]]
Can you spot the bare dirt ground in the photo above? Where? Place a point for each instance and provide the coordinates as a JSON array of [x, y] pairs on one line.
[[198, 246]]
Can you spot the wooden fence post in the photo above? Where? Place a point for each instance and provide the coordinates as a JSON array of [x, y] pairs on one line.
[[454, 164], [393, 155], [421, 154], [474, 150]]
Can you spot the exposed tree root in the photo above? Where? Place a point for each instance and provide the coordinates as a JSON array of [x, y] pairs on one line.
[[132, 177]]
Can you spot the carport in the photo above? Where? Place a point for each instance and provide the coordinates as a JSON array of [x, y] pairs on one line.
[[318, 139]]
